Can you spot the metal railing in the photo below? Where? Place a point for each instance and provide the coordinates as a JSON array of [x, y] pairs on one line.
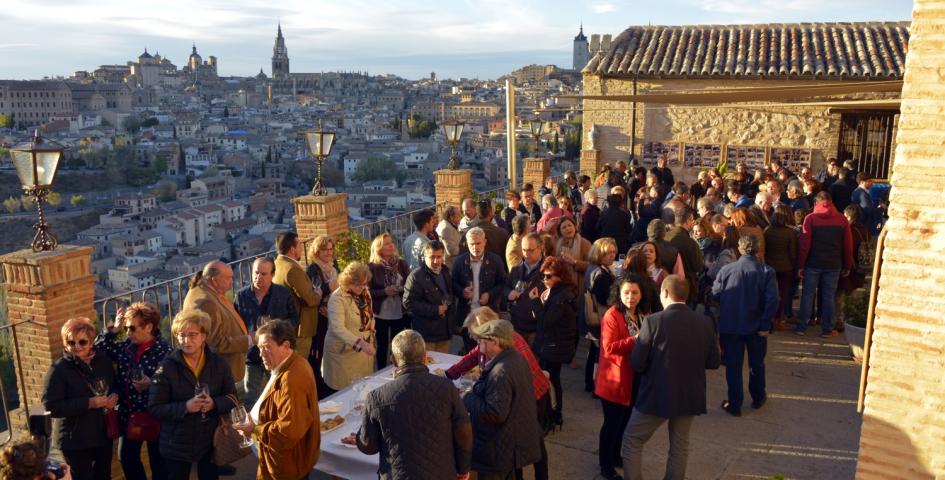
[[24, 402], [169, 295]]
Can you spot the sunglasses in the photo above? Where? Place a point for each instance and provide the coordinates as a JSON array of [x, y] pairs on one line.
[[547, 276], [81, 343], [131, 328]]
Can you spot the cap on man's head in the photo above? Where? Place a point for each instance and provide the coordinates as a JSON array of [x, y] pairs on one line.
[[499, 330]]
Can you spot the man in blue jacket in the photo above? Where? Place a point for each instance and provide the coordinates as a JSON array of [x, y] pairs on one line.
[[747, 292]]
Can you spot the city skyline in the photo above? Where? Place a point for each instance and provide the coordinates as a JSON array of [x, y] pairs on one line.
[[482, 39]]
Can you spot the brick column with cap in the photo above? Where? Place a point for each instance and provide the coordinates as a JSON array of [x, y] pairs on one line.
[[452, 186], [535, 170], [323, 215], [45, 289]]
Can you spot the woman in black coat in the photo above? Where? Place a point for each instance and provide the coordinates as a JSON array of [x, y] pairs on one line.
[[556, 336], [188, 419], [71, 394], [388, 274]]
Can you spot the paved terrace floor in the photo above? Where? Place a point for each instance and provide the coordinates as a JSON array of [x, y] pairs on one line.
[[809, 429]]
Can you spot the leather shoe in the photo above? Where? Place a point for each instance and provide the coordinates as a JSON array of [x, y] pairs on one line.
[[610, 474], [759, 403]]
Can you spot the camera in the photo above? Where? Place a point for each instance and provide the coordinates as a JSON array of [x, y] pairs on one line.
[[55, 469]]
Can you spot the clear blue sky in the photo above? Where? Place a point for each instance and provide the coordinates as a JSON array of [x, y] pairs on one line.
[[410, 38]]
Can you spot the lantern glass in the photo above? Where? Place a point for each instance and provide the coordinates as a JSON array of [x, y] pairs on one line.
[[46, 158], [453, 131], [320, 142], [536, 126]]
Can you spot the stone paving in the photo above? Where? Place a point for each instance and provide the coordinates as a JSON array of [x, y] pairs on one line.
[[809, 429]]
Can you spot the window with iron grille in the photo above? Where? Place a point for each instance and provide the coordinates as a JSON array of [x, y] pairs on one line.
[[866, 138]]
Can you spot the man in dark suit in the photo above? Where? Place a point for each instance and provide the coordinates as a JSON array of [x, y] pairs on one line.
[[673, 351], [478, 279], [688, 249]]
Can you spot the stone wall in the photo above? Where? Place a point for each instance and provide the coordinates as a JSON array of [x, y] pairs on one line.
[[796, 127], [903, 433]]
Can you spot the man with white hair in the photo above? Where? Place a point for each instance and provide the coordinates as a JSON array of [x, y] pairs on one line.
[[478, 278], [416, 397]]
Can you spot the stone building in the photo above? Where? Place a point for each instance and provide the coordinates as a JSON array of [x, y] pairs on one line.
[[32, 102], [815, 91]]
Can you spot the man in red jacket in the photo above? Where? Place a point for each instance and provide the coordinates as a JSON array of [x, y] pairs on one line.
[[826, 254]]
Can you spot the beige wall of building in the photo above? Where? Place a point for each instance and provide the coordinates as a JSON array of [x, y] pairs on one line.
[[798, 127]]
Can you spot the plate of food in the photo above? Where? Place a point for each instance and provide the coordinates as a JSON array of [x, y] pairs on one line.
[[350, 440], [332, 423]]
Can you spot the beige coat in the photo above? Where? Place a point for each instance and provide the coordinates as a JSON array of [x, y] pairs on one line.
[[227, 336], [291, 275], [581, 260], [342, 365]]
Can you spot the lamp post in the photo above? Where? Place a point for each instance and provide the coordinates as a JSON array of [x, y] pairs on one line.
[[319, 143], [453, 131], [36, 162], [536, 125]]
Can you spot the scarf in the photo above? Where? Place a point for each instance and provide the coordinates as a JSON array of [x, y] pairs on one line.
[[328, 270], [365, 310], [390, 271]]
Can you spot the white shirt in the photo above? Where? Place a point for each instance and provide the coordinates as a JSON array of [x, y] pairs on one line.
[[254, 413], [476, 267]]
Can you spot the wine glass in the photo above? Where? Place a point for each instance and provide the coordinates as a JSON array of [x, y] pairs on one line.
[[202, 392], [137, 374], [520, 286], [100, 389], [240, 418]]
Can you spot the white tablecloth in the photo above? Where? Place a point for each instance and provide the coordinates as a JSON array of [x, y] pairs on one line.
[[348, 462]]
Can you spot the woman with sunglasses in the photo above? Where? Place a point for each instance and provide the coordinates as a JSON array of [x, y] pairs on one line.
[[136, 358], [78, 391], [556, 335]]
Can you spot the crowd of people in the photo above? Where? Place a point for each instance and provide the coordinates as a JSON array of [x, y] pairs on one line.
[[655, 274]]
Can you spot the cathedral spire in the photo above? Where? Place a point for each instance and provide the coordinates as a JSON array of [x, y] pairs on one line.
[[279, 33]]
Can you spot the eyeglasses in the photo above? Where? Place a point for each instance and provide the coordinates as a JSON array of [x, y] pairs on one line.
[[81, 343], [131, 328]]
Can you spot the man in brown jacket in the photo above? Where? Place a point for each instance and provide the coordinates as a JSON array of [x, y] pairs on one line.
[[228, 336], [284, 422], [290, 274]]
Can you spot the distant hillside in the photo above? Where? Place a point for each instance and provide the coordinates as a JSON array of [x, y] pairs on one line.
[[18, 233]]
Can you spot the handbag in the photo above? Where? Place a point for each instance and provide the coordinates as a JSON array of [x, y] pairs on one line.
[[227, 442], [591, 311], [142, 427], [112, 428]]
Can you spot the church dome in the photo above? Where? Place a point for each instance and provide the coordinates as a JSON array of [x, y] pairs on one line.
[[144, 55]]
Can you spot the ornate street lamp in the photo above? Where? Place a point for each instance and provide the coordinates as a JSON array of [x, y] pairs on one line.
[[36, 162], [536, 125], [319, 143], [453, 131]]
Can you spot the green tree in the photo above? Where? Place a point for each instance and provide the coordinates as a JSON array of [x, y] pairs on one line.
[[572, 142], [159, 165], [12, 204], [6, 120], [554, 145], [151, 122], [166, 191], [27, 203], [378, 169], [77, 200], [422, 128], [211, 171], [226, 112], [54, 199], [132, 124]]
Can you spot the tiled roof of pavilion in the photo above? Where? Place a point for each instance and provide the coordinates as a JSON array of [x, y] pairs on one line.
[[860, 50]]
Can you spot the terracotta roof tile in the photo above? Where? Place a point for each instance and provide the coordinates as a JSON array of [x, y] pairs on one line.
[[817, 50]]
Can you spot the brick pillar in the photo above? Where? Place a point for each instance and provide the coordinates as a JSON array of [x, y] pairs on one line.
[[903, 431], [590, 163], [535, 170], [326, 215], [452, 186], [48, 288]]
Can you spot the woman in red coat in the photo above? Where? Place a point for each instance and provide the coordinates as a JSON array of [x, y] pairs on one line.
[[614, 386]]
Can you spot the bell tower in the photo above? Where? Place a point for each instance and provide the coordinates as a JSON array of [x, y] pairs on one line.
[[280, 58]]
